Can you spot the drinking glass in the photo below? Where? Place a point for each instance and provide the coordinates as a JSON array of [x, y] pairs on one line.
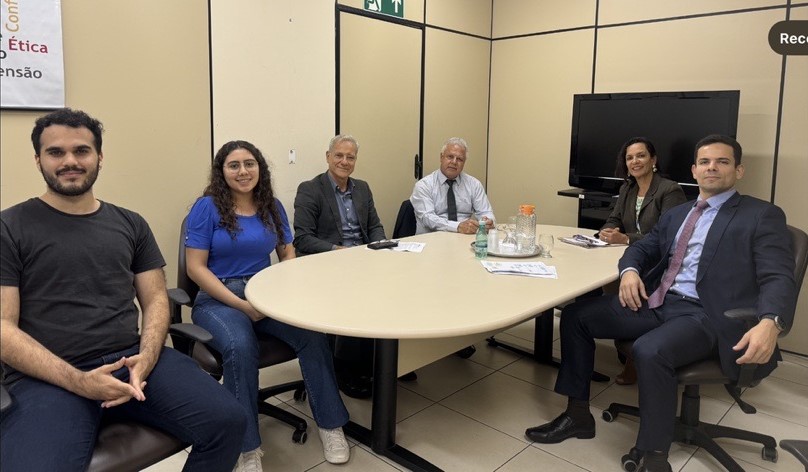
[[509, 230], [545, 245]]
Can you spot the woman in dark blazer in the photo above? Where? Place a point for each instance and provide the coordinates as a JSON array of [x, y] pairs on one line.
[[643, 198]]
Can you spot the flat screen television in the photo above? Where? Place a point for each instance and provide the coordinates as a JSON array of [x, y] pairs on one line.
[[673, 121]]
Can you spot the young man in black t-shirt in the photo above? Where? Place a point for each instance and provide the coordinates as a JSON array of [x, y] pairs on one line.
[[70, 269]]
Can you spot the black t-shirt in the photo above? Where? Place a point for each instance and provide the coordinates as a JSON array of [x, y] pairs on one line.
[[75, 275]]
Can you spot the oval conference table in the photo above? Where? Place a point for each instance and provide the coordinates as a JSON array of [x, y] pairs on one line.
[[442, 292]]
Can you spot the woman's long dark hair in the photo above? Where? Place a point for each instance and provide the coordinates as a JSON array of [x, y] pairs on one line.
[[262, 193]]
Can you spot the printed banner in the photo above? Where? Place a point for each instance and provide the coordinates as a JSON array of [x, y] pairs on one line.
[[31, 61]]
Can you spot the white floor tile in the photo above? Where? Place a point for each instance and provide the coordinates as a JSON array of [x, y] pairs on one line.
[[493, 357], [442, 378], [507, 404], [765, 424], [533, 458], [453, 441], [792, 371], [486, 403], [781, 398]]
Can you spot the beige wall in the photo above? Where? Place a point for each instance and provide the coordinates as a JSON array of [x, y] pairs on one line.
[[456, 97], [296, 105], [144, 74], [534, 77], [533, 80], [273, 84], [792, 170]]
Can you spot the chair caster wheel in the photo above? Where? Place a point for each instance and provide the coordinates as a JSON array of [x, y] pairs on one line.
[[631, 460], [769, 454], [608, 416], [299, 437], [300, 395]]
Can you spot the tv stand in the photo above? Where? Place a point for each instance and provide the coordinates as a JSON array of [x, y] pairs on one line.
[[593, 207]]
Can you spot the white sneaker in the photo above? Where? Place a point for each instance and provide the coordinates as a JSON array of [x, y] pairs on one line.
[[335, 447], [250, 461]]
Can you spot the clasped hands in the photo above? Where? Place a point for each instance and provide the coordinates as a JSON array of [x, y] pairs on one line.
[[759, 341], [100, 384]]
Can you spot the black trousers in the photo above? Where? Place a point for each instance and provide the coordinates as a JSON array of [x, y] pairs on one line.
[[671, 336]]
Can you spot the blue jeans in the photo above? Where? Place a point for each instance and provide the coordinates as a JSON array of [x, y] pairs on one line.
[[49, 428], [234, 337]]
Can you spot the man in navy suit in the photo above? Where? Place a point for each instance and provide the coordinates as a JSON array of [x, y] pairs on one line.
[[334, 211], [738, 255]]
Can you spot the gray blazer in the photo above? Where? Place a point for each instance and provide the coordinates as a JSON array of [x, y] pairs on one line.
[[662, 195], [318, 226]]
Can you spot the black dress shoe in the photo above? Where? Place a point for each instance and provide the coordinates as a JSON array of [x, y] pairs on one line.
[[356, 387], [561, 428], [654, 462]]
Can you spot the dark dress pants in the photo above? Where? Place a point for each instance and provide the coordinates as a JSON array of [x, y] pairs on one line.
[[49, 429], [671, 336]]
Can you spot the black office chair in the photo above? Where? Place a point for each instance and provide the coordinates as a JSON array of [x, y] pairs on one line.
[[405, 221], [128, 446], [271, 351], [798, 448], [689, 429]]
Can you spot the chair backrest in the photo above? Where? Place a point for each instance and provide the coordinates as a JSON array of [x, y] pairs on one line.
[[183, 281], [800, 245], [405, 222]]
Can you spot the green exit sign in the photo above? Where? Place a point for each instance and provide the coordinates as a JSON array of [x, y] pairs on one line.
[[386, 7]]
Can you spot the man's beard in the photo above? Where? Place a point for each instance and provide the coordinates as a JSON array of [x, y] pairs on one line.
[[73, 190]]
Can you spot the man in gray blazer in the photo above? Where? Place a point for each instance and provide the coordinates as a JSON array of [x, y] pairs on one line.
[[334, 211]]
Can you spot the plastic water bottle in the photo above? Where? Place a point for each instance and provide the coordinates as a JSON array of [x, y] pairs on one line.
[[481, 242], [526, 230]]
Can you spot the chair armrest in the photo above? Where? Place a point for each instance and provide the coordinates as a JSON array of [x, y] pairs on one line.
[[5, 398], [191, 332], [798, 448], [748, 315], [179, 297]]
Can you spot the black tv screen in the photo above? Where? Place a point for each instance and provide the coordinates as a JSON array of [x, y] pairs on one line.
[[673, 121]]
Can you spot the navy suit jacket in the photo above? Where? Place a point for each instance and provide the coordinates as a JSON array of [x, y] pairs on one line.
[[747, 261], [318, 225]]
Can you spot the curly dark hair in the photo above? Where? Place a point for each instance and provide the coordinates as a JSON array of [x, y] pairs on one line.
[[262, 193]]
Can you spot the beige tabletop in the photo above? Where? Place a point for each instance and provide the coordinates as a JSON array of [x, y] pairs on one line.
[[441, 292]]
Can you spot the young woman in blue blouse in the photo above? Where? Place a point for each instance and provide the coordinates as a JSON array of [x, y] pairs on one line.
[[231, 232]]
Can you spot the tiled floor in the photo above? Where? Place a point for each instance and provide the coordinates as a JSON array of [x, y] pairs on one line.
[[470, 415]]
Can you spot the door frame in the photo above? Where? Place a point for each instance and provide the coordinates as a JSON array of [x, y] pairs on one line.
[[418, 164]]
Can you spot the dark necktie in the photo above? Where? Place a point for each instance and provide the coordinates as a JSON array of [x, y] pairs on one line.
[[451, 204], [656, 298]]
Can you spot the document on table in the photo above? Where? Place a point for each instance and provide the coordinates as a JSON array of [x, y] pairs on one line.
[[530, 269], [585, 241], [409, 247]]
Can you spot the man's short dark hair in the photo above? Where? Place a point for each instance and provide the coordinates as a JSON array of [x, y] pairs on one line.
[[722, 139], [71, 118]]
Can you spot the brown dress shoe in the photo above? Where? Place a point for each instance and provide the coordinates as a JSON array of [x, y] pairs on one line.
[[629, 374]]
